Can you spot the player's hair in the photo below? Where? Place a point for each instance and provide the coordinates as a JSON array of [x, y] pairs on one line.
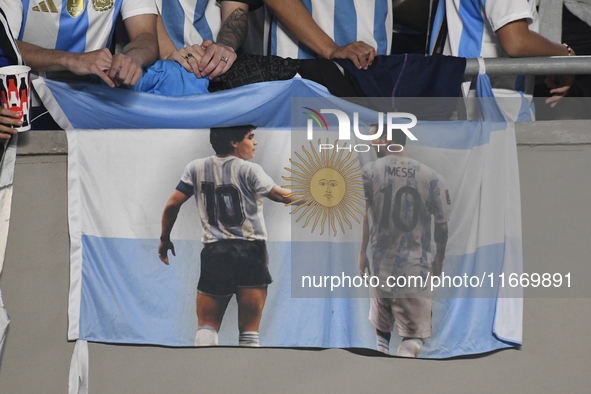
[[221, 138], [398, 136]]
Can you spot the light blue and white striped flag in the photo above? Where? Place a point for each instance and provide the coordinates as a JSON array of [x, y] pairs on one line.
[[119, 181]]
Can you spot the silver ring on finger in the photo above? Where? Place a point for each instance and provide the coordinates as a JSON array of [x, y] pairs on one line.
[[224, 59], [188, 56]]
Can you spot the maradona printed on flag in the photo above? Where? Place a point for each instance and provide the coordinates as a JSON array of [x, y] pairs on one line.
[[121, 182]]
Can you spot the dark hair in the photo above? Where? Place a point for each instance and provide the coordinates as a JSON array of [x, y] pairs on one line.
[[398, 136], [221, 138]]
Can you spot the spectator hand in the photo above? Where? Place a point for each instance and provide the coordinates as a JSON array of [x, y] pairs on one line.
[[189, 58], [125, 70], [95, 62], [217, 59], [7, 118], [361, 54], [559, 86]]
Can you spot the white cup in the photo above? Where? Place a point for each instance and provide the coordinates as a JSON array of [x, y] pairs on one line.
[[15, 92]]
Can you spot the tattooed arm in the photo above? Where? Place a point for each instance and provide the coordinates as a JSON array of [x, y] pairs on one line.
[[219, 57]]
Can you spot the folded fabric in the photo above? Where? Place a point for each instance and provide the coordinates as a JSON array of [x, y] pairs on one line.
[[169, 78], [412, 75], [249, 69]]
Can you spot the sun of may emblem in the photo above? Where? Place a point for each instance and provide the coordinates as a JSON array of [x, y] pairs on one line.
[[326, 188]]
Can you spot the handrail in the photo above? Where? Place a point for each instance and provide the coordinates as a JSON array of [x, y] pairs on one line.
[[556, 65]]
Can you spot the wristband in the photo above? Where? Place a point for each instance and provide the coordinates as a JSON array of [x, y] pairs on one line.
[[570, 50]]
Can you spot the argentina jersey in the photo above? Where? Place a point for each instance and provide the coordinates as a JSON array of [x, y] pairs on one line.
[[190, 22], [402, 195], [471, 33], [70, 25], [229, 194], [345, 21]]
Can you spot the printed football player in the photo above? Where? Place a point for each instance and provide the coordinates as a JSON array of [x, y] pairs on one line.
[[403, 198], [229, 193]]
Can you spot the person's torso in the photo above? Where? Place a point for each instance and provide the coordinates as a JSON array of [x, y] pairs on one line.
[[345, 21], [228, 204]]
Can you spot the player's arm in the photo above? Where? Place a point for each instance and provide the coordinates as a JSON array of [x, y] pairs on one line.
[[440, 236], [279, 195], [296, 18], [142, 50], [363, 260], [518, 41], [171, 211]]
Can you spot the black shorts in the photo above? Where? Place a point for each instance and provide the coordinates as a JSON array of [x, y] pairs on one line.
[[229, 264]]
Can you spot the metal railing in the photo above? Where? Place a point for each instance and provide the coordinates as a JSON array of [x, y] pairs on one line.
[[557, 65]]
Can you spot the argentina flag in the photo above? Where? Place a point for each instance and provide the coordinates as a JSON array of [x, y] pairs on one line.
[[120, 178]]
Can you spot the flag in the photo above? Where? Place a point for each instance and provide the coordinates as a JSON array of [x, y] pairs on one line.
[[120, 179]]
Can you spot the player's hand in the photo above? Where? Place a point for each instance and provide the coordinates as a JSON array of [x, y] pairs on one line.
[[363, 262], [437, 265], [360, 53], [217, 59], [8, 118], [559, 86], [163, 249], [189, 57], [95, 62], [125, 70]]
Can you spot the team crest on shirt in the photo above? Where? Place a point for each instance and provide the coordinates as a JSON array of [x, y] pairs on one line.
[[75, 7], [102, 5], [327, 187]]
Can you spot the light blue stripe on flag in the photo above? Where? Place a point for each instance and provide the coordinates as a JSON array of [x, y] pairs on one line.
[[91, 106], [129, 296]]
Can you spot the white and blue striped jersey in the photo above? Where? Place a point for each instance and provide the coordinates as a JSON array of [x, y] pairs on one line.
[[345, 21], [402, 197], [229, 194], [471, 33], [70, 25], [190, 22]]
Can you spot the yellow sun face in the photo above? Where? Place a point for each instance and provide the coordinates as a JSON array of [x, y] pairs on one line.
[[327, 188]]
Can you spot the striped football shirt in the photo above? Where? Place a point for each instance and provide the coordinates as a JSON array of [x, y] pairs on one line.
[[345, 21], [70, 25], [229, 193], [403, 198]]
